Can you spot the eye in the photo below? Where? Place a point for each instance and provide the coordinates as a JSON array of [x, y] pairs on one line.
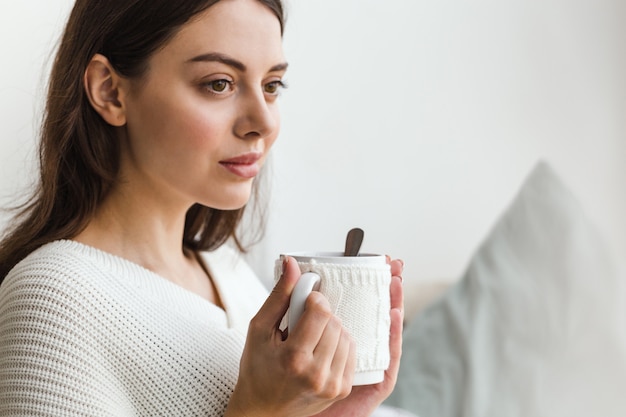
[[274, 87], [219, 86]]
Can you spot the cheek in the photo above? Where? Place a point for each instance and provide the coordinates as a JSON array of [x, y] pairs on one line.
[[183, 128], [198, 131]]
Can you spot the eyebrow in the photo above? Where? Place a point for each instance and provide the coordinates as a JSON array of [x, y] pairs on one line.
[[224, 59]]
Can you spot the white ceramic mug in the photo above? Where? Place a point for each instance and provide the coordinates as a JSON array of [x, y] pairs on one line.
[[357, 288]]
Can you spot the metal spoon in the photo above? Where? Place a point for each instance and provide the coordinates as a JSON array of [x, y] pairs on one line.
[[353, 242]]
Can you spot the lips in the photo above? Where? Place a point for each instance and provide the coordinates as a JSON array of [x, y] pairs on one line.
[[245, 165]]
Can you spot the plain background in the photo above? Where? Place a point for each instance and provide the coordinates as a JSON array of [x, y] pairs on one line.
[[416, 120]]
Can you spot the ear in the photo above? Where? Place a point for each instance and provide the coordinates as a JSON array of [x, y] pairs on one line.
[[104, 88]]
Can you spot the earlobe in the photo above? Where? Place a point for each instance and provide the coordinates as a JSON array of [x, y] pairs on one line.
[[104, 90]]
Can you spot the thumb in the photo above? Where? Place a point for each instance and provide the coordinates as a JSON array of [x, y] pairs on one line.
[[276, 305]]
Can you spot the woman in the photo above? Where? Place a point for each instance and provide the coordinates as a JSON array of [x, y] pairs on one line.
[[120, 297]]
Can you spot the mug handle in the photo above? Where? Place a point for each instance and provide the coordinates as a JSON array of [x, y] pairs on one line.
[[308, 282]]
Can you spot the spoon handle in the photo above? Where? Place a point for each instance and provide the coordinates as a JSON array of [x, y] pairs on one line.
[[353, 242]]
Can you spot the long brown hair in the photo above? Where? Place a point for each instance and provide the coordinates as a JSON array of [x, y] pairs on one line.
[[78, 151]]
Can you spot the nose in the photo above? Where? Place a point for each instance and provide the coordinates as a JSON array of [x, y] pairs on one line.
[[257, 117]]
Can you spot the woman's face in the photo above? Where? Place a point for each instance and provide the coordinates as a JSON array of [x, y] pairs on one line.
[[202, 119]]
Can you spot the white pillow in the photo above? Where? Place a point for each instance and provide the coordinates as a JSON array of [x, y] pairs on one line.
[[535, 327]]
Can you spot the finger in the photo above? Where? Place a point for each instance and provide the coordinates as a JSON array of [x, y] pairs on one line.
[[328, 351], [397, 267], [312, 323], [395, 345], [350, 363], [276, 305], [342, 367], [395, 331], [328, 342], [396, 293]]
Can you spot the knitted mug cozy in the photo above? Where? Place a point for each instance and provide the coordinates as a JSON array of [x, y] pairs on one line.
[[358, 294]]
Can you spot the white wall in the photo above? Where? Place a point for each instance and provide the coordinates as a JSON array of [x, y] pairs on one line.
[[28, 33], [418, 120], [415, 120]]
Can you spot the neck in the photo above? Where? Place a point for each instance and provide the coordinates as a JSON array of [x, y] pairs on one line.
[[143, 221], [135, 227]]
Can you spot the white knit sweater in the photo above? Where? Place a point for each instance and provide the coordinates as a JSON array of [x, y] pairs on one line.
[[86, 333]]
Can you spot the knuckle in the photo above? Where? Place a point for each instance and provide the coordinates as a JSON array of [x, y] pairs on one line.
[[318, 301], [335, 321], [346, 337], [255, 325], [337, 388], [260, 324], [256, 318], [334, 389], [296, 362], [312, 378], [322, 317], [316, 381], [346, 389]]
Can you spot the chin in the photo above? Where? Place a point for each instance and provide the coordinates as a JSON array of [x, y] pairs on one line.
[[232, 203], [227, 196]]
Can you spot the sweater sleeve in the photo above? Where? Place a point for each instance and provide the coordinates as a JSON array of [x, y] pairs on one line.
[[51, 364]]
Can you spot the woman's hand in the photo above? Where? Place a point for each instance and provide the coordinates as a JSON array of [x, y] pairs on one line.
[[365, 399], [300, 375]]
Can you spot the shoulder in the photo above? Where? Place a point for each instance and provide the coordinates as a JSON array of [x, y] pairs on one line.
[[49, 276], [56, 262], [65, 291], [50, 328], [54, 259], [59, 276], [44, 297]]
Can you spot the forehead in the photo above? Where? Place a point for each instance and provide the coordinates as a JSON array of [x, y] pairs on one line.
[[244, 29]]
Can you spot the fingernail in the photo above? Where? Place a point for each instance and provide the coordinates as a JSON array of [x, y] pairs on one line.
[[402, 262], [285, 262]]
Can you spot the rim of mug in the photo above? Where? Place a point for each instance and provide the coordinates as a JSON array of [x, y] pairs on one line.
[[336, 257]]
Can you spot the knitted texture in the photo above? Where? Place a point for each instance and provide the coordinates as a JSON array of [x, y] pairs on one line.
[[85, 333], [359, 295]]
